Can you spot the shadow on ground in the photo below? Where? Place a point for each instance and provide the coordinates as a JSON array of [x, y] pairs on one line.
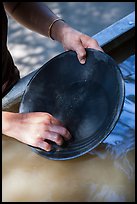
[[30, 50]]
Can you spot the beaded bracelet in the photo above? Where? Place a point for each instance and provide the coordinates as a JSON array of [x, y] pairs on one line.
[[49, 30]]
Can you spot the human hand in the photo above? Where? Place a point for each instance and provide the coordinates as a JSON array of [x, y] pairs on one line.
[[34, 128], [77, 41], [72, 39]]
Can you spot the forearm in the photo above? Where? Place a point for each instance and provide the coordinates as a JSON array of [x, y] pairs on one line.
[[36, 16]]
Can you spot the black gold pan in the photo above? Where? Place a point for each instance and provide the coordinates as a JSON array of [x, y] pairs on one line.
[[87, 98]]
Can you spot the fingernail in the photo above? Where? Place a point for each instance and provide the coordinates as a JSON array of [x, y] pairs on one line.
[[68, 137], [82, 61], [48, 148]]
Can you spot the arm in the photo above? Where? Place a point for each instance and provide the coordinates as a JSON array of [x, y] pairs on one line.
[[38, 17], [34, 128]]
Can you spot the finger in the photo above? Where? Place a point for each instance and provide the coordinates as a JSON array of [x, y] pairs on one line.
[[99, 48], [53, 136], [55, 121], [81, 54], [59, 130], [95, 45], [44, 145]]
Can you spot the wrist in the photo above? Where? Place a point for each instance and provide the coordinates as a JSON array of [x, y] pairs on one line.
[[9, 122], [51, 25], [58, 29]]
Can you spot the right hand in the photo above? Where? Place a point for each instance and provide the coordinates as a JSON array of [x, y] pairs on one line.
[[34, 128]]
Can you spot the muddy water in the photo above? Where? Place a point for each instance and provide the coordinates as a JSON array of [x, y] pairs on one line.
[[106, 174]]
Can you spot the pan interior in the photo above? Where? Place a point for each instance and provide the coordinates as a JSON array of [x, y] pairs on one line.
[[85, 98]]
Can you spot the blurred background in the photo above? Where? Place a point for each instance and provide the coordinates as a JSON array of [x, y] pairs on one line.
[[31, 50]]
